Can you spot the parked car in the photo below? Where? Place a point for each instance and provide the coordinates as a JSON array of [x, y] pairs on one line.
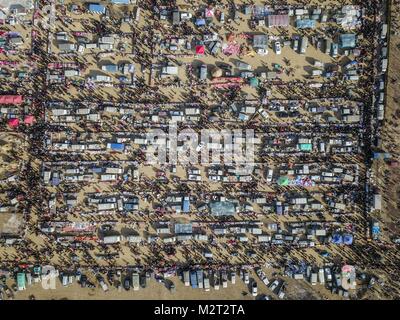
[[278, 47]]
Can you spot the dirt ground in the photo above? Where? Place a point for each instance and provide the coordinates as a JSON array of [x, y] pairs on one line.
[[386, 176]]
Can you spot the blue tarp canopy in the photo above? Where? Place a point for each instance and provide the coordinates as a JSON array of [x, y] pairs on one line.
[[348, 239], [200, 22], [337, 239], [97, 7], [117, 146], [120, 1], [222, 208], [305, 23], [381, 155], [376, 229], [347, 41], [186, 206]]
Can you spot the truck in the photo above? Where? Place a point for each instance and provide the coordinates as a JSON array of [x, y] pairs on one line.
[[328, 45], [186, 278], [334, 50], [321, 276], [224, 279], [193, 279], [314, 277], [103, 285], [384, 31], [200, 278], [135, 281], [206, 283], [233, 277], [384, 65], [216, 280]]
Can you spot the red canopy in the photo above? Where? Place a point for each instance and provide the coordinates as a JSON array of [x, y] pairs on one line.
[[10, 99], [13, 123], [29, 119], [200, 49]]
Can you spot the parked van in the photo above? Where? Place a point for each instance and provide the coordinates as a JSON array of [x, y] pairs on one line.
[[270, 175]]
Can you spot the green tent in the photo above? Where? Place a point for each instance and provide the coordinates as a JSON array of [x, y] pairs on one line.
[[305, 146], [283, 181], [254, 82], [21, 281]]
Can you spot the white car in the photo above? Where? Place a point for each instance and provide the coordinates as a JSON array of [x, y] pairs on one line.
[[278, 48], [254, 289], [246, 277]]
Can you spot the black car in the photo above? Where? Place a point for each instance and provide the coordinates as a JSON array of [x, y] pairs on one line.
[[83, 281], [127, 283], [142, 280]]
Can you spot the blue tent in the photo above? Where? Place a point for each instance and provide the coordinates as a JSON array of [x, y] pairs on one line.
[[55, 181], [337, 239], [348, 41], [305, 23], [200, 22], [348, 239], [97, 8], [117, 146]]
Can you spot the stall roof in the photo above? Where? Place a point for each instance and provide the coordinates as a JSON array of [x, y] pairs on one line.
[[11, 99], [260, 41], [278, 20], [222, 208], [305, 23], [183, 228], [347, 41]]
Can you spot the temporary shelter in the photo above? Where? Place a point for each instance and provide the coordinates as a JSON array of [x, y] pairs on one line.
[[200, 49], [13, 123], [96, 8], [11, 99], [29, 119], [278, 20]]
